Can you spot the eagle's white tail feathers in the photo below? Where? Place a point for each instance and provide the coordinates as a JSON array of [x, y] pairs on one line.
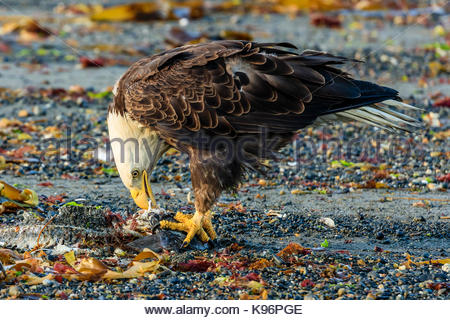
[[399, 104], [379, 115]]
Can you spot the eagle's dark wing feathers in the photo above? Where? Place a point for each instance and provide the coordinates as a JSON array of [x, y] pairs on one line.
[[235, 87]]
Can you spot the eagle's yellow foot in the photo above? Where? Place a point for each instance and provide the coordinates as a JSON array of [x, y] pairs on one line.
[[197, 224]]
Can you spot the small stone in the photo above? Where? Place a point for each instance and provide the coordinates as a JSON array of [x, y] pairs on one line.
[[370, 296], [297, 191], [36, 110], [22, 113], [446, 267], [341, 292], [48, 282], [14, 291], [328, 222], [441, 292], [119, 252], [262, 182], [435, 154], [76, 89]]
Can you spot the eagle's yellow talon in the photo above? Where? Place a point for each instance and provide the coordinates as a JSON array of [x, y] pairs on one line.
[[197, 224], [181, 217], [208, 226]]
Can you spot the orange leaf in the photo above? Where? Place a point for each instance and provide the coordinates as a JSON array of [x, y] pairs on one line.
[[293, 249], [8, 256], [147, 254], [260, 264], [138, 269], [33, 280]]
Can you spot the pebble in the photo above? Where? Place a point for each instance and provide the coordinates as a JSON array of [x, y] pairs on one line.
[[446, 267], [370, 296], [22, 113], [14, 291], [328, 222], [380, 236], [48, 282], [119, 252]]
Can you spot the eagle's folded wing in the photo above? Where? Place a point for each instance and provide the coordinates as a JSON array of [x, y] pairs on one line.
[[237, 87]]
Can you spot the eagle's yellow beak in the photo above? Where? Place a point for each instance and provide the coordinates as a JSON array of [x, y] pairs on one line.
[[141, 196]]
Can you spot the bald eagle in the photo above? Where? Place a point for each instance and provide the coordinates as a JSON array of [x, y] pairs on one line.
[[229, 105]]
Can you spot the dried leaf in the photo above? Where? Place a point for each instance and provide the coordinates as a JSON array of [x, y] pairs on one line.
[[129, 12], [236, 35], [293, 6], [91, 63], [137, 269], [307, 283], [147, 254], [79, 8], [26, 197], [62, 268], [28, 29], [145, 11], [32, 264], [8, 256], [322, 20], [298, 191], [369, 5], [435, 68], [34, 280], [196, 266], [444, 102], [260, 264], [293, 249], [437, 261], [255, 285], [45, 184], [70, 258], [2, 162], [91, 266]]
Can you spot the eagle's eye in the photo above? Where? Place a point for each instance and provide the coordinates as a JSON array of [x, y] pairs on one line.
[[135, 173]]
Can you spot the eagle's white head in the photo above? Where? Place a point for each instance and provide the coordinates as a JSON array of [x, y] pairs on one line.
[[136, 151]]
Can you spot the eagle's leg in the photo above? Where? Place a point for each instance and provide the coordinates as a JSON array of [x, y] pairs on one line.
[[208, 225], [206, 192], [210, 176]]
